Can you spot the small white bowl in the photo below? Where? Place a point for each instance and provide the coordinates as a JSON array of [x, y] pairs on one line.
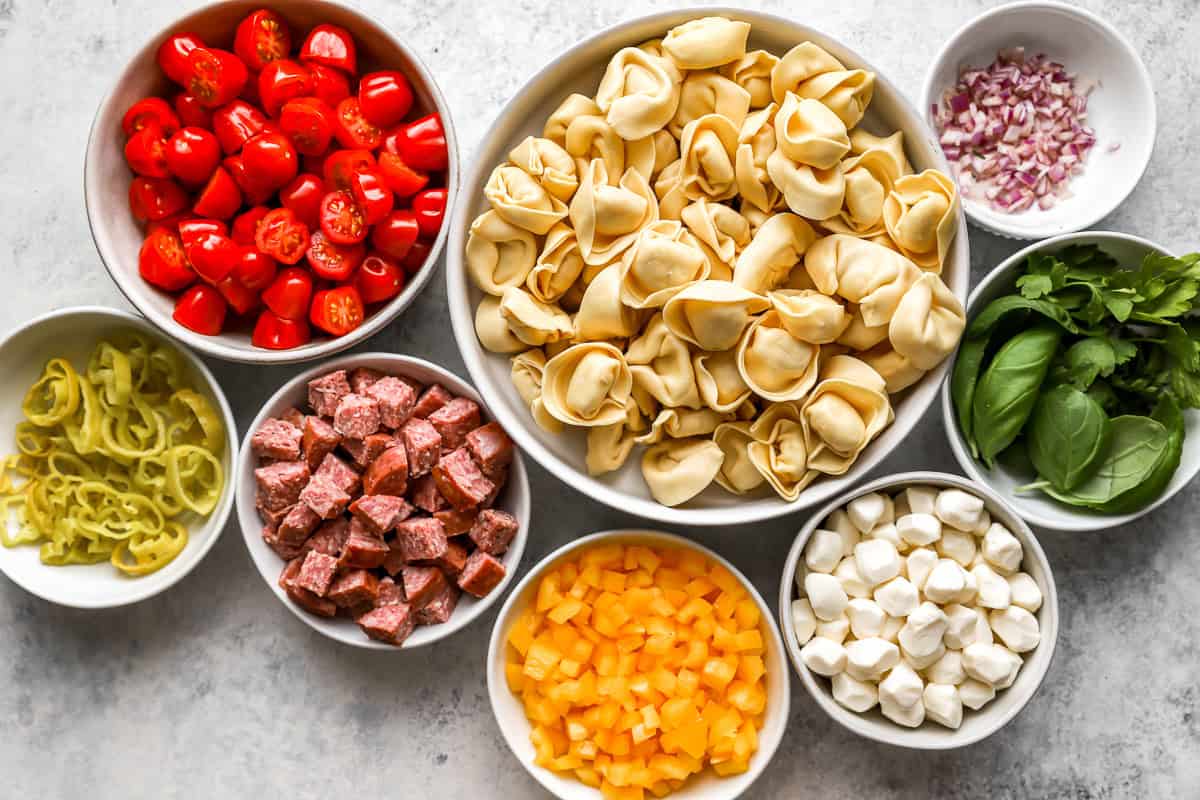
[[294, 394], [1121, 109], [976, 725], [1036, 507], [579, 70], [106, 176], [515, 726], [72, 333]]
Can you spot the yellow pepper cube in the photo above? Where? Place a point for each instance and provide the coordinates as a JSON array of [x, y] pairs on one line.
[[724, 639], [663, 681], [694, 608], [566, 763], [515, 677], [749, 641], [565, 609], [700, 587], [751, 668], [733, 767], [548, 593], [687, 682], [541, 659], [588, 776], [697, 654], [570, 667], [640, 579], [603, 556], [611, 792], [749, 698], [717, 674], [612, 581], [693, 564], [725, 605], [669, 767], [724, 579], [746, 742], [747, 614]]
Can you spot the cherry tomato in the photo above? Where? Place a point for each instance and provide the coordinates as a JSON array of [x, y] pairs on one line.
[[395, 234], [328, 84], [352, 130], [190, 112], [192, 154], [211, 253], [400, 178], [255, 194], [236, 123], [303, 196], [340, 166], [385, 97], [282, 236], [193, 229], [372, 195], [169, 224], [241, 299], [270, 159], [245, 225], [156, 198], [172, 56], [146, 152], [220, 198], [378, 279], [289, 294], [201, 309], [333, 262], [255, 270], [337, 311], [331, 46], [422, 144], [215, 76], [430, 208], [273, 332], [418, 254], [150, 110], [281, 81], [342, 219], [309, 123], [261, 38], [162, 263]]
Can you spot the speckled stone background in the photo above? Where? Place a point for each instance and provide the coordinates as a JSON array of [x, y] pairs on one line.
[[215, 690]]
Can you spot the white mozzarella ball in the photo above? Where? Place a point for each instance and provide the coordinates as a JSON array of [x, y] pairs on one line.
[[854, 694], [887, 531], [834, 630], [852, 582], [943, 705], [958, 509], [985, 522], [877, 560], [839, 522], [975, 694], [910, 717], [958, 545], [826, 595], [902, 686], [898, 597], [919, 529], [994, 591], [1025, 591], [947, 669], [1017, 628], [920, 499], [868, 659], [918, 564], [993, 664], [823, 656], [960, 626], [869, 510], [946, 582], [922, 631], [926, 661], [1002, 550], [823, 551], [891, 629], [866, 617], [970, 587], [983, 628], [803, 620]]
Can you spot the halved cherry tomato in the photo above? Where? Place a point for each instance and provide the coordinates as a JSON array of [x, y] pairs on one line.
[[239, 298], [215, 76], [395, 234], [261, 38], [150, 110], [192, 154], [309, 123], [270, 159], [156, 198], [235, 123], [172, 56], [255, 194], [273, 332], [430, 208], [402, 179], [245, 225], [303, 196], [146, 152], [352, 129], [418, 254], [169, 224], [372, 195], [333, 262], [337, 311], [328, 84], [255, 270], [162, 263], [281, 81], [340, 166], [342, 219], [201, 309], [378, 279], [331, 46], [422, 144], [289, 294], [191, 112], [220, 198], [282, 236], [193, 229], [209, 250], [384, 97]]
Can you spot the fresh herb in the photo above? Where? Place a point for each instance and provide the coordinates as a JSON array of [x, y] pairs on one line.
[[1135, 447], [1066, 434], [1005, 395]]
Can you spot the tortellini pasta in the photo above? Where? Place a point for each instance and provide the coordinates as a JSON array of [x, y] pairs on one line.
[[639, 93], [547, 163], [558, 267], [753, 73], [809, 71], [661, 364], [676, 470], [713, 314], [773, 363], [809, 315], [847, 408], [492, 328], [862, 272], [531, 320], [522, 201], [664, 259], [920, 213], [709, 93], [587, 384], [499, 254], [776, 248], [706, 154], [607, 218], [526, 370], [779, 450], [706, 42], [928, 322], [737, 474]]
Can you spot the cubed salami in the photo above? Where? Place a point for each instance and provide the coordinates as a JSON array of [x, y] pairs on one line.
[[391, 623], [319, 440], [294, 416], [280, 484], [433, 398], [439, 609], [302, 597], [330, 538], [387, 474], [272, 517], [481, 574], [425, 495], [491, 449], [356, 416], [298, 524], [421, 584], [339, 473], [353, 588], [316, 573], [276, 439], [497, 486], [364, 451], [363, 551], [455, 522], [455, 420], [361, 379], [422, 444], [270, 535], [390, 593], [394, 562], [380, 512], [324, 497], [325, 392], [421, 539], [453, 559], [493, 531], [396, 400], [459, 480]]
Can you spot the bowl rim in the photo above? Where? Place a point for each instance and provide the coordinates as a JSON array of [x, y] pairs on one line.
[[929, 93], [518, 480], [219, 517], [1073, 520], [1048, 617], [496, 641], [519, 424], [133, 288]]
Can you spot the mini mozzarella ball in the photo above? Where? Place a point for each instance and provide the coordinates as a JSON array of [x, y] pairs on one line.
[[918, 564], [823, 551], [823, 656], [983, 628], [852, 582], [958, 509], [922, 631], [946, 581], [887, 531], [993, 664], [866, 617], [957, 545], [891, 629], [960, 626], [919, 529], [803, 620], [920, 499], [854, 694], [943, 705], [970, 588], [839, 522], [1002, 550], [910, 717], [985, 522], [877, 560], [898, 597], [947, 669], [826, 595], [994, 591], [1024, 591], [835, 630], [974, 694], [868, 659], [926, 661], [1017, 628], [869, 510], [902, 686]]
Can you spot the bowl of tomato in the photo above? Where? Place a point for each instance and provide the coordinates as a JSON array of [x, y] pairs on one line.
[[267, 182]]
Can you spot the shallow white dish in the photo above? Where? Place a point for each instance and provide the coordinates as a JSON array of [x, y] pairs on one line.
[[1121, 109], [73, 333], [579, 69], [294, 394], [976, 725], [106, 176], [1038, 508], [515, 726]]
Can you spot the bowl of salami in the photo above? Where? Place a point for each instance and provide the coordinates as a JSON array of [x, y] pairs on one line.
[[380, 502]]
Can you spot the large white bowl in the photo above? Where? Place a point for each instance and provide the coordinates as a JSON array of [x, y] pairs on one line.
[[1121, 109], [976, 725], [1036, 507], [515, 726], [294, 394], [579, 70], [72, 333], [106, 176]]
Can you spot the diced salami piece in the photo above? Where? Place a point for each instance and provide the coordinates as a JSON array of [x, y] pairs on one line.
[[394, 562], [433, 398], [391, 623], [363, 551], [491, 448], [330, 538], [460, 481], [390, 593], [439, 609], [421, 584], [272, 517], [455, 420], [356, 417], [270, 535], [481, 574], [364, 451], [319, 439], [425, 495], [288, 575], [380, 512], [325, 392], [339, 473], [456, 522], [301, 596], [356, 587], [276, 439], [387, 474], [422, 444], [497, 486], [299, 523], [316, 573], [361, 379], [324, 497], [280, 484], [421, 539], [396, 400], [453, 560], [493, 531], [294, 416]]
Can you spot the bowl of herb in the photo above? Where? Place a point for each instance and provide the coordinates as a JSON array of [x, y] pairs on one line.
[[1074, 393]]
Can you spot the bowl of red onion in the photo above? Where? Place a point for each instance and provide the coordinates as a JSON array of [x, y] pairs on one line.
[[1046, 114]]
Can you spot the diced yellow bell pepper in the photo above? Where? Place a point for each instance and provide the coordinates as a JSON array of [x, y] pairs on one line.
[[747, 614], [565, 609], [717, 674], [751, 668]]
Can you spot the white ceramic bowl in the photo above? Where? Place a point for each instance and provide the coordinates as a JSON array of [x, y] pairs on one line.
[[1121, 109], [73, 333], [515, 726], [579, 70], [976, 725], [1038, 508], [106, 176], [294, 394]]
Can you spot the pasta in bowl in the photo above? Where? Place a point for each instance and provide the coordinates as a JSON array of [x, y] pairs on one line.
[[765, 246]]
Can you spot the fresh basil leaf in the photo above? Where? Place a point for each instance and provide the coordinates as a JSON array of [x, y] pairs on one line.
[[1166, 412], [1103, 394], [1135, 445], [962, 385], [1005, 395], [995, 311], [1065, 435]]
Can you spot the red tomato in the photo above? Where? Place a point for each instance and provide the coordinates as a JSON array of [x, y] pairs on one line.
[[422, 144], [385, 97], [190, 111], [239, 298], [342, 219], [303, 196], [340, 166], [378, 279], [289, 294], [220, 198], [261, 38], [215, 76], [372, 195], [255, 270], [333, 262], [150, 110], [282, 236], [211, 253], [352, 130], [328, 84], [309, 123], [172, 56], [162, 263], [235, 123], [193, 229], [337, 311], [156, 198], [255, 194], [169, 224], [281, 81], [430, 208], [245, 225], [395, 234], [400, 178], [417, 255], [201, 309], [331, 46], [146, 152], [270, 160], [273, 332], [192, 154]]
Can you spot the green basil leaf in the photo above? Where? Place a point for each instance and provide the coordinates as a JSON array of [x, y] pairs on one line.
[[1166, 412], [995, 311], [962, 385], [1005, 395], [1066, 435], [1135, 445]]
